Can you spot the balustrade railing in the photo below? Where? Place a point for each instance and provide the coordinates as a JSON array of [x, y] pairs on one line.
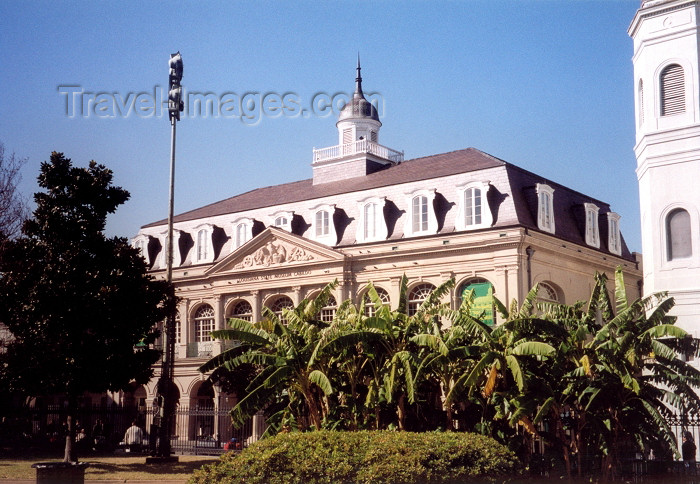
[[358, 146]]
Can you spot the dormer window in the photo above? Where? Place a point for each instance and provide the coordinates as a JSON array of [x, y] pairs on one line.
[[321, 223], [163, 254], [283, 220], [140, 242], [323, 228], [474, 211], [614, 239], [372, 226], [204, 249], [242, 232], [545, 207], [592, 231], [421, 218]]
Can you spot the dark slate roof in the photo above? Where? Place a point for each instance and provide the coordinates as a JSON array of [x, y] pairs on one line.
[[434, 166], [569, 217]]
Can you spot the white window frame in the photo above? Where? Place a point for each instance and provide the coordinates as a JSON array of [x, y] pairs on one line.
[[204, 324], [141, 242], [324, 233], [545, 208], [246, 224], [275, 217], [163, 254], [203, 244], [486, 215], [671, 109], [247, 316], [614, 238], [380, 231], [592, 225], [409, 230]]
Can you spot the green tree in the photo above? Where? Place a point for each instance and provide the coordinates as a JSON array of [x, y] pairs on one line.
[[75, 300], [288, 378]]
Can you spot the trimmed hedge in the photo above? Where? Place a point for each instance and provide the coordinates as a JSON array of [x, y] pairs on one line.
[[364, 457]]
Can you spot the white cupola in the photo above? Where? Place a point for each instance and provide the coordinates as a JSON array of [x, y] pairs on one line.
[[358, 118]]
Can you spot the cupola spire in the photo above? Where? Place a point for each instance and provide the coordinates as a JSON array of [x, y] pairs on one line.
[[358, 80]]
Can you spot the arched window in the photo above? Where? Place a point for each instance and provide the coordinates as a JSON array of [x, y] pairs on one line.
[[371, 225], [417, 295], [203, 323], [546, 292], [672, 90], [328, 311], [482, 302], [640, 101], [241, 234], [242, 310], [280, 303], [370, 310], [678, 235]]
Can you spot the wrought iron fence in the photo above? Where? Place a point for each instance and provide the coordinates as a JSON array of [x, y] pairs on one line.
[[196, 430]]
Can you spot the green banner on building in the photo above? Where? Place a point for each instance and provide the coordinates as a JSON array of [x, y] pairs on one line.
[[482, 306]]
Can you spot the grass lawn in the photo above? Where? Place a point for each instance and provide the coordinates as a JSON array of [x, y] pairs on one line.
[[110, 467]]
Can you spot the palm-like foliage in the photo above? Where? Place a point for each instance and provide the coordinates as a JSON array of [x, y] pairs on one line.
[[282, 351]]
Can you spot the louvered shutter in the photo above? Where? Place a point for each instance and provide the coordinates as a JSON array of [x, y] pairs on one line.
[[672, 90]]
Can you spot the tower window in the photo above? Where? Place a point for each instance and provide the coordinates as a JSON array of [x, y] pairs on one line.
[[678, 235], [640, 101], [672, 90]]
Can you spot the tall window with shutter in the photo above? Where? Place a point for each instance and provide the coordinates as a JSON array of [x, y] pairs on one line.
[[672, 90]]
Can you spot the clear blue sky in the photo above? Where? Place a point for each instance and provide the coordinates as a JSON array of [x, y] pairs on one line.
[[546, 85]]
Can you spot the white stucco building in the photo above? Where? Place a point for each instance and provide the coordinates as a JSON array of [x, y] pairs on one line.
[[667, 96], [369, 215]]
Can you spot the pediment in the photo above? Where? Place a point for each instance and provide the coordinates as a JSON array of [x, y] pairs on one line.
[[275, 248]]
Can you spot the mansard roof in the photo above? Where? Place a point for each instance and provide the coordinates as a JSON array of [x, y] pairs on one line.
[[425, 168], [513, 197]]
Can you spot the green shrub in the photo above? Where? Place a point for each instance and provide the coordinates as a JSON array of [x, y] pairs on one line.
[[364, 457]]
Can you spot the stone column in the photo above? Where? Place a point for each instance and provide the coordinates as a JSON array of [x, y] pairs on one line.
[[256, 304]]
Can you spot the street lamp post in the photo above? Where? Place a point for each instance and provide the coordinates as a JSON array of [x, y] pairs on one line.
[[166, 398]]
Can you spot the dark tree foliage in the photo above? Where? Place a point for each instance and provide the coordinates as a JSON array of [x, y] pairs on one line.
[[75, 300]]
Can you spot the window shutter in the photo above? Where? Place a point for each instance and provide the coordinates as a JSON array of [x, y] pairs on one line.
[[672, 90]]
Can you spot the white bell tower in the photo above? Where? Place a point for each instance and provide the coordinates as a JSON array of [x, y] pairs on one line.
[[666, 91]]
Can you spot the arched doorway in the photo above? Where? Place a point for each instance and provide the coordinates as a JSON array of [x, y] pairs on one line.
[[201, 422]]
